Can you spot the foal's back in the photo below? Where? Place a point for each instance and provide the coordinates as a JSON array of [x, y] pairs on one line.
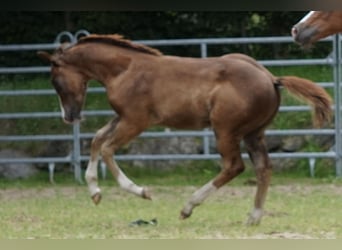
[[198, 92]]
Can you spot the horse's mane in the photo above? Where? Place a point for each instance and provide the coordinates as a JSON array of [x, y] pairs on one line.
[[118, 40]]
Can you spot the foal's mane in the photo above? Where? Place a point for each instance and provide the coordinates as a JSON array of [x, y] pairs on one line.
[[118, 40]]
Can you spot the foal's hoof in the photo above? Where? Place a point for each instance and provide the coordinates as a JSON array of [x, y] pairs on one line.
[[96, 198], [253, 221], [254, 218], [183, 215], [146, 194]]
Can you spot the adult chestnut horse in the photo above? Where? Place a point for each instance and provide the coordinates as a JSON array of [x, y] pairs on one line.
[[233, 94], [316, 25]]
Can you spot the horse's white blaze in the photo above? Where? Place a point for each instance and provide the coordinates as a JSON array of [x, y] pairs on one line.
[[91, 177], [126, 184], [306, 17], [199, 196]]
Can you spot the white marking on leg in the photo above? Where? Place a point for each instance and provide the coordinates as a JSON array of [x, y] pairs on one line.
[[128, 185], [306, 17], [255, 216], [101, 131], [199, 196], [91, 178]]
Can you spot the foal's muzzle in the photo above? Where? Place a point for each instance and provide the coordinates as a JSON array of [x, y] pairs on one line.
[[72, 115], [72, 119]]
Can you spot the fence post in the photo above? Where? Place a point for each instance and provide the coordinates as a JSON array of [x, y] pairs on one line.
[[337, 92], [206, 142], [76, 154]]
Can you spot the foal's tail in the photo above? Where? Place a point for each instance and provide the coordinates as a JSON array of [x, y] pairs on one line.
[[315, 95]]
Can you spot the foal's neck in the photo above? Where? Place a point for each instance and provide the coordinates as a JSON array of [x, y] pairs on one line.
[[101, 63]]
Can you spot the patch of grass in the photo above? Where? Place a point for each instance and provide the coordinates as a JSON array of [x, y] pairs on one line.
[[196, 173], [296, 207], [292, 211]]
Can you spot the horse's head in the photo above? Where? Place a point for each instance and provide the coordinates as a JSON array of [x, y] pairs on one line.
[[316, 25], [69, 83]]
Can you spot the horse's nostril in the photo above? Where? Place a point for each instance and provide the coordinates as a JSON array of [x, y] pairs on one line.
[[294, 31]]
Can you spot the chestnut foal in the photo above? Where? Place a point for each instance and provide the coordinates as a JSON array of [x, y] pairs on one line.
[[232, 94]]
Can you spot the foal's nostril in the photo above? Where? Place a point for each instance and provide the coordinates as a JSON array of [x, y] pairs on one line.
[[294, 32]]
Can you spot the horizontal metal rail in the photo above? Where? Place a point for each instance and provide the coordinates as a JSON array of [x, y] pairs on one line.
[[31, 115], [23, 47], [90, 90], [174, 42], [296, 155], [215, 41], [168, 42], [22, 70], [297, 62], [52, 114], [289, 62], [66, 159], [145, 157], [200, 133], [51, 91]]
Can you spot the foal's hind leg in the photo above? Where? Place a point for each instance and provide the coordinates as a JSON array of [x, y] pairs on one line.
[[258, 153], [232, 166]]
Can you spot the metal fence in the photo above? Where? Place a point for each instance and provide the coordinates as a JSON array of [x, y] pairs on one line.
[[75, 158]]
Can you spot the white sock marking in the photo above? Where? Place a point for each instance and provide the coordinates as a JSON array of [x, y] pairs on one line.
[[91, 178], [128, 185], [199, 196], [255, 216], [257, 213]]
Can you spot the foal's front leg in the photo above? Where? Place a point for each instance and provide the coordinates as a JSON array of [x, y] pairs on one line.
[[124, 131], [108, 140], [91, 172]]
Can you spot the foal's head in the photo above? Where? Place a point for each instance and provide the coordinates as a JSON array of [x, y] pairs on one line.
[[69, 83], [316, 25]]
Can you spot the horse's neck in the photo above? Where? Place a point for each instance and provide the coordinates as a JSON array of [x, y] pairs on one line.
[[102, 63]]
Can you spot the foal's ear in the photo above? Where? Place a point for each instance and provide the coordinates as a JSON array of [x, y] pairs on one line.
[[46, 57]]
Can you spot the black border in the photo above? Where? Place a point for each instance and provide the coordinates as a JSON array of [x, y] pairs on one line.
[[160, 5], [179, 5]]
